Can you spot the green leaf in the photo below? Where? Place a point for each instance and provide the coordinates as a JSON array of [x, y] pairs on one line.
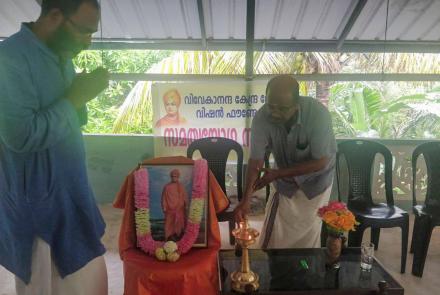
[[358, 109]]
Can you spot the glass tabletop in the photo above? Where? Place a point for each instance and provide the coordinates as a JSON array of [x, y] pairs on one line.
[[282, 270]]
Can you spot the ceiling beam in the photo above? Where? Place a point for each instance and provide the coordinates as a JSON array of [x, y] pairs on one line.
[[250, 36], [350, 23], [202, 23], [272, 45], [301, 77]]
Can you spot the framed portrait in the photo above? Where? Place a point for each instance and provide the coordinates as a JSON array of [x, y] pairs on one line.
[[170, 190]]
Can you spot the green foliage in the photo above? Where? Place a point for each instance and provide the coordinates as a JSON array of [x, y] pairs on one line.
[[103, 110], [371, 109], [136, 111], [376, 110]]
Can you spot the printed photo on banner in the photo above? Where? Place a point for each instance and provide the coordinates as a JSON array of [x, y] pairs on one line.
[[171, 102]]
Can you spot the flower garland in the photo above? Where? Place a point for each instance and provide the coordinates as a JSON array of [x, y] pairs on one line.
[[170, 251]]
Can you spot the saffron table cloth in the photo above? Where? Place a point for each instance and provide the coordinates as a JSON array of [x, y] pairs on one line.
[[194, 273]]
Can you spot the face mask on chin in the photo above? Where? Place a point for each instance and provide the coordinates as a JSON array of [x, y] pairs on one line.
[[64, 44]]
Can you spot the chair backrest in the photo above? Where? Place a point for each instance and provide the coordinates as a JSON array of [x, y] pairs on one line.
[[216, 150], [431, 154], [359, 156]]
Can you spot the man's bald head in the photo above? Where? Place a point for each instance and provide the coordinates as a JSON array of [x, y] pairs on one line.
[[283, 83], [282, 94]]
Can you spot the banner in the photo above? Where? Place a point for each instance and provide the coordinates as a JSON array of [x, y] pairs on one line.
[[184, 112]]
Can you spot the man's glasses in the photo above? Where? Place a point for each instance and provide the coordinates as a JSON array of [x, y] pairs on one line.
[[281, 108], [80, 29]]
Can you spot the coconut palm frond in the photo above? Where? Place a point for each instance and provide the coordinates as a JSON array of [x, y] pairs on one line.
[[137, 107], [371, 106], [400, 63]]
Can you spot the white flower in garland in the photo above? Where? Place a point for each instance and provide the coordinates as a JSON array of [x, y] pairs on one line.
[[170, 247], [160, 254]]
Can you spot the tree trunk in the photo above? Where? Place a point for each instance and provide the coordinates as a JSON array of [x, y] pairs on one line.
[[323, 91]]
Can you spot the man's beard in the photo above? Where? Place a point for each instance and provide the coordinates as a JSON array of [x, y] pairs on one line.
[[64, 44]]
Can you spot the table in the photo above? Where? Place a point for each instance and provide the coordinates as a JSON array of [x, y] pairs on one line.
[[194, 271], [280, 272]]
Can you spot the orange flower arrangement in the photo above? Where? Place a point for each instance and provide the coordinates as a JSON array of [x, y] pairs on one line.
[[337, 218]]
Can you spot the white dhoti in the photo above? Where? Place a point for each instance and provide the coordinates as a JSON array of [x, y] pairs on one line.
[[293, 222], [45, 279]]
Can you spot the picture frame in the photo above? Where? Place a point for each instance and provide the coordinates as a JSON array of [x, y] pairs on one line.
[[168, 194]]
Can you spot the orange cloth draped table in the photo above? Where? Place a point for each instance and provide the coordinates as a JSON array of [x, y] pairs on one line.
[[194, 273]]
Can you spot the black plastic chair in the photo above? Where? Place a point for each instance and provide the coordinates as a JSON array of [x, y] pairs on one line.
[[216, 151], [427, 216], [359, 156]]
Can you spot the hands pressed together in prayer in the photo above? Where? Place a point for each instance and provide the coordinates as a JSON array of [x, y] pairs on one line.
[[86, 86]]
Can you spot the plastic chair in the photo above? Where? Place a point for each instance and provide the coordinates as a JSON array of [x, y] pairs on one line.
[[427, 216], [216, 151], [359, 156]]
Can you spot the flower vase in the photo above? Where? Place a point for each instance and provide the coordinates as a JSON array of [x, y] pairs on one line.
[[333, 250]]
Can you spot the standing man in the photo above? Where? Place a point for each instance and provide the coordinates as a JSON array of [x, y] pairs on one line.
[[50, 226], [174, 204], [298, 131]]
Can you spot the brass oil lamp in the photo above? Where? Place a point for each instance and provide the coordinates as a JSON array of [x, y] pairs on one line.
[[245, 280]]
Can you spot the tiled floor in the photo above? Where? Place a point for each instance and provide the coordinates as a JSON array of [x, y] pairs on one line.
[[388, 254]]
